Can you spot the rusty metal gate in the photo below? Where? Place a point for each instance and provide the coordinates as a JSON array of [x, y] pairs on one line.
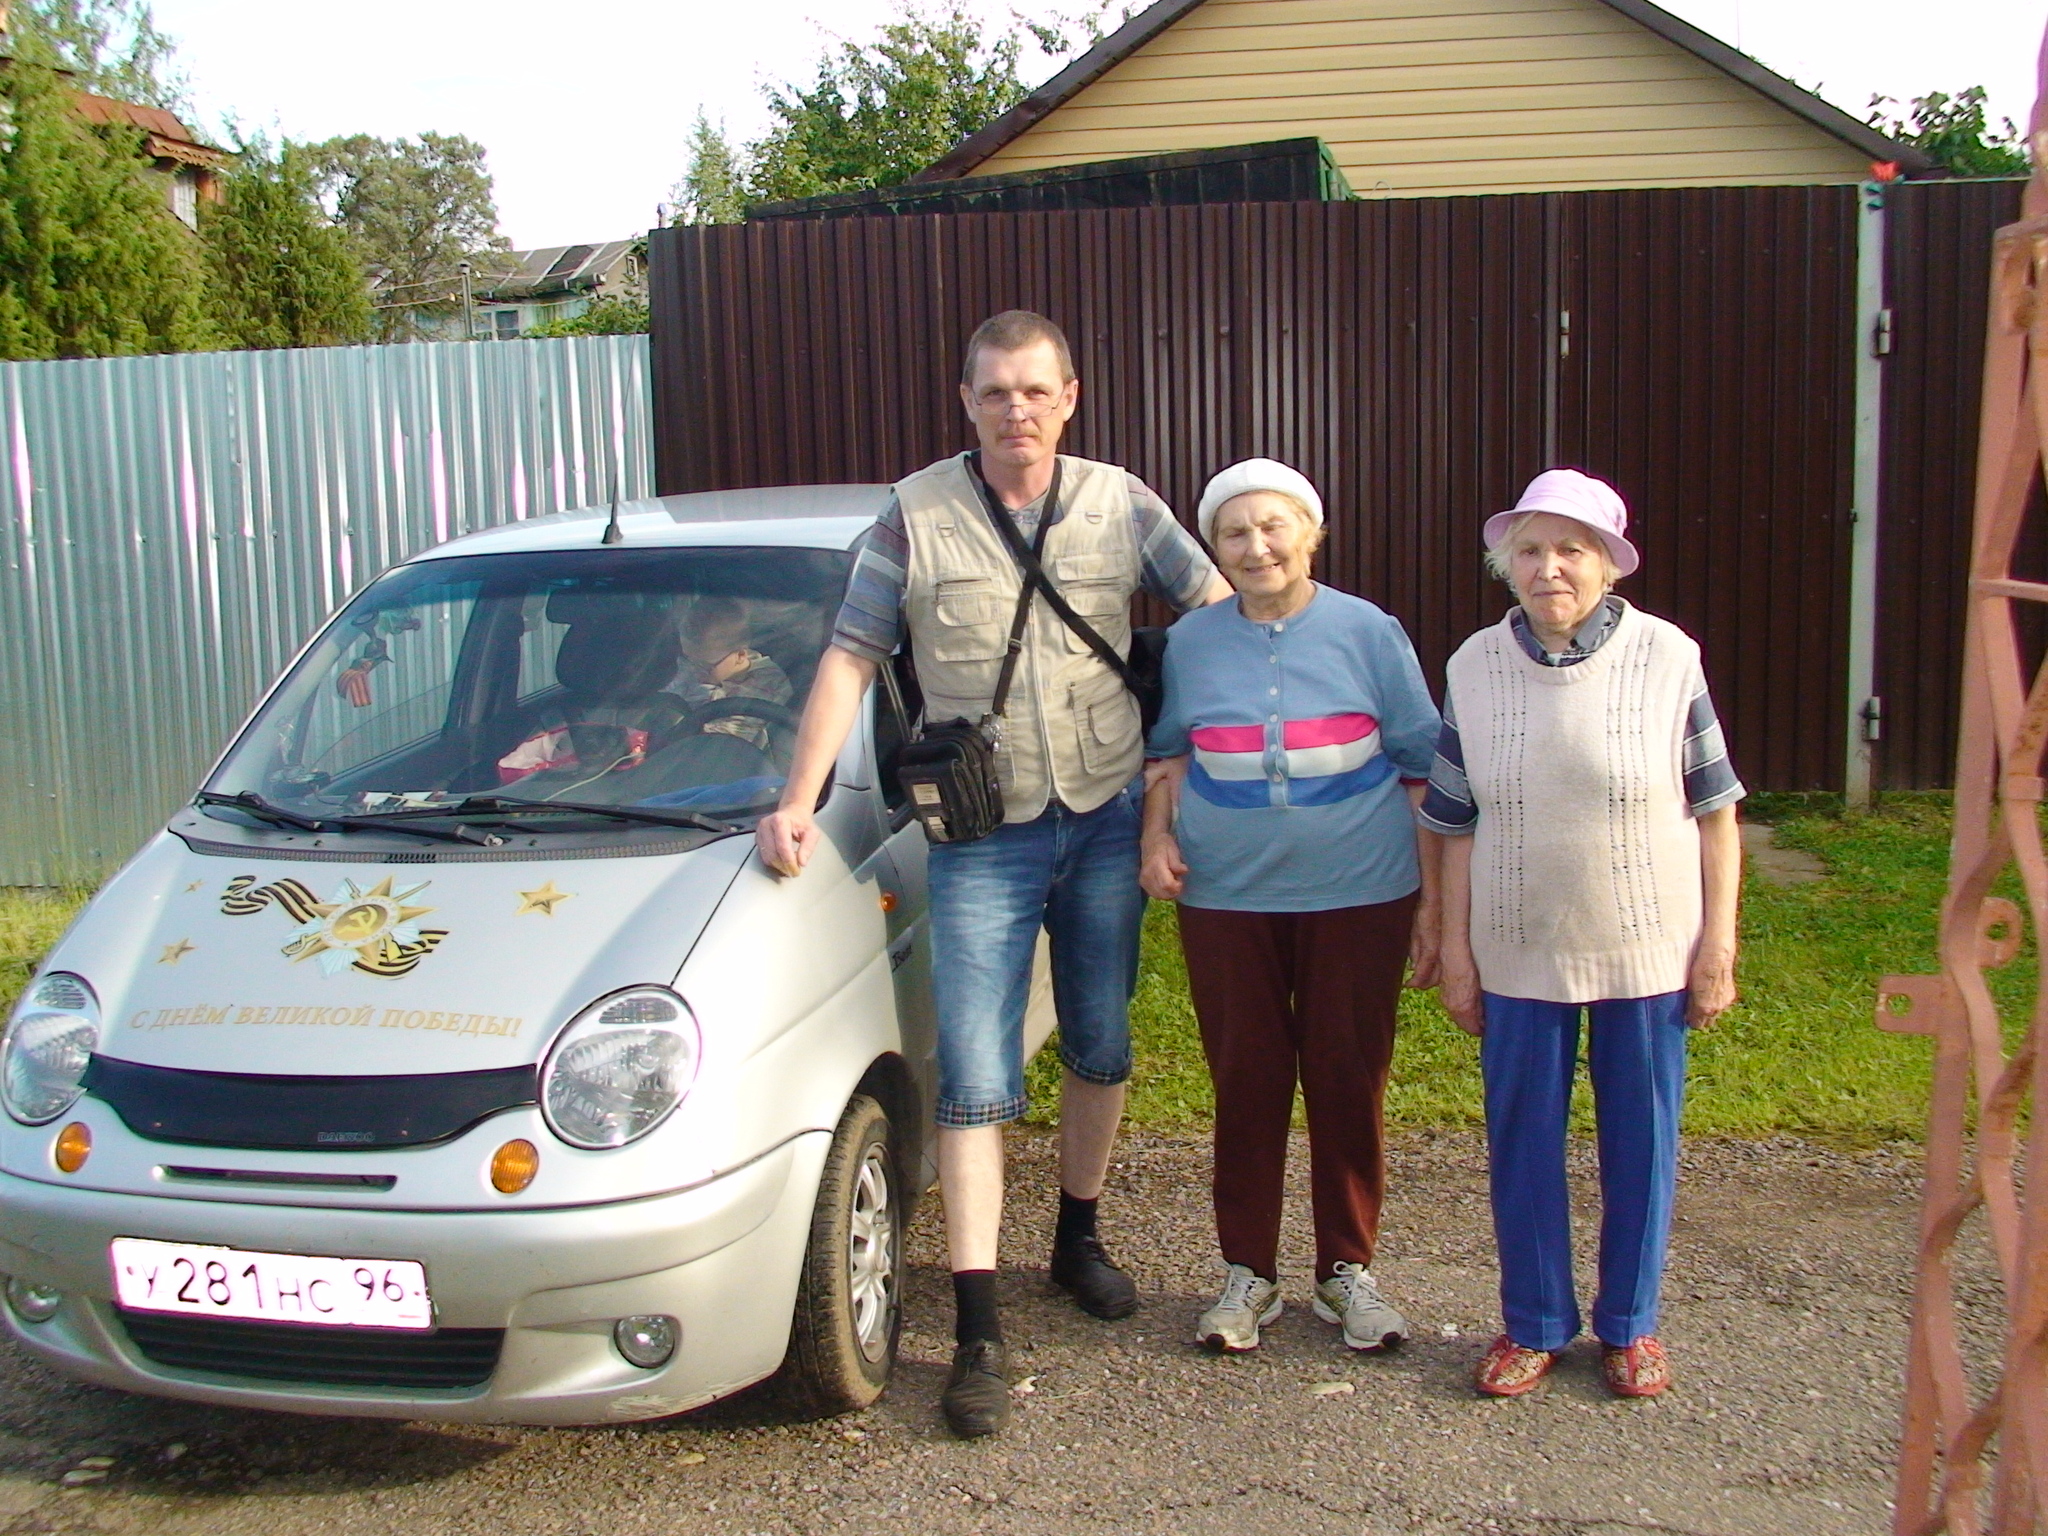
[[1975, 1432]]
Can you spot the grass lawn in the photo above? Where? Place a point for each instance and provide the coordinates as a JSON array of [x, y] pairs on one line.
[[1798, 1055]]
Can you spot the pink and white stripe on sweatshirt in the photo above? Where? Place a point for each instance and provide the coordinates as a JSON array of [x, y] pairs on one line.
[[1321, 761]]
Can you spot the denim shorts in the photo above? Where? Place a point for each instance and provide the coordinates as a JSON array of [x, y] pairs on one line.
[[1076, 875]]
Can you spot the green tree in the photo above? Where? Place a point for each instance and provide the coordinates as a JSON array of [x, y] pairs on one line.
[[1953, 130], [281, 275], [879, 112], [91, 262], [110, 47], [713, 189], [609, 316], [414, 209]]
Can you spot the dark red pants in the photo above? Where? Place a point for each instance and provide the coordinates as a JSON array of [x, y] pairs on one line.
[[1298, 996]]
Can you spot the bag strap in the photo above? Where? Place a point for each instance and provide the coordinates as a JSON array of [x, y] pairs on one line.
[[1016, 645], [1035, 577]]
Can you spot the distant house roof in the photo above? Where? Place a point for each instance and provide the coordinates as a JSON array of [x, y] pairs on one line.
[[553, 269], [165, 138], [1154, 22]]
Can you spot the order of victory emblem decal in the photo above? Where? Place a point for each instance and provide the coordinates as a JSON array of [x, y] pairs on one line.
[[373, 930]]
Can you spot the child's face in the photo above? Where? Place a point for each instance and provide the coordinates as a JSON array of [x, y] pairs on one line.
[[722, 655]]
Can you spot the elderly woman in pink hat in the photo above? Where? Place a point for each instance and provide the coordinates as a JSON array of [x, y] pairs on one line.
[[1590, 867], [1301, 720]]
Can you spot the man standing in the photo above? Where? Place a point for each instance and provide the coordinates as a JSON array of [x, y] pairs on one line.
[[936, 573]]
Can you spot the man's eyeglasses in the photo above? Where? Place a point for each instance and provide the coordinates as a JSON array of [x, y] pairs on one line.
[[1030, 410]]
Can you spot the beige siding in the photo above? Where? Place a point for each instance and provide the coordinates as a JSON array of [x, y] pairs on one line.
[[1440, 96]]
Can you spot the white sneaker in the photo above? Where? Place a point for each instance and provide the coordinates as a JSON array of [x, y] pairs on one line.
[[1351, 1298], [1247, 1304]]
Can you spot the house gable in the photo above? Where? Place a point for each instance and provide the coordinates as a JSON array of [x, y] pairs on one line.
[[1422, 97]]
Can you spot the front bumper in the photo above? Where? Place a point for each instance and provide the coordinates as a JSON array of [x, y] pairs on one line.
[[724, 1259]]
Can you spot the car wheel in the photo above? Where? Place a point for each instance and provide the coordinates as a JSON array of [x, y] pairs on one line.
[[842, 1342]]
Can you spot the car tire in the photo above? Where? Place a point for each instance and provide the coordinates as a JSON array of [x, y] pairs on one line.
[[849, 1310]]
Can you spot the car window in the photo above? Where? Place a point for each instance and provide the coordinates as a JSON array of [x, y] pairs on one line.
[[892, 731], [665, 678]]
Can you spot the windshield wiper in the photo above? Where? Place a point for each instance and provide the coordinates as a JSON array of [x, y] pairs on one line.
[[510, 805], [252, 804]]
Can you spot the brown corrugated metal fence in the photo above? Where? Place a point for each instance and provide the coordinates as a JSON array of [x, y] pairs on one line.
[[1937, 282], [1411, 356]]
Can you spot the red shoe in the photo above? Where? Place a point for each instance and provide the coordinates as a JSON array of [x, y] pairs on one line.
[[1508, 1370], [1640, 1370]]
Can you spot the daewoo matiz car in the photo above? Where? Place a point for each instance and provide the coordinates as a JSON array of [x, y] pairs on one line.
[[452, 1056]]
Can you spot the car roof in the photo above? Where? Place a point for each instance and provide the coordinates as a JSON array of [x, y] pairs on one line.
[[799, 516]]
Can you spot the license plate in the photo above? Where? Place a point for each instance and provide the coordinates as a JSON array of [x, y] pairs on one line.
[[196, 1280]]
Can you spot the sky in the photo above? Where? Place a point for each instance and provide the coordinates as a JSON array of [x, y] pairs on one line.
[[584, 114]]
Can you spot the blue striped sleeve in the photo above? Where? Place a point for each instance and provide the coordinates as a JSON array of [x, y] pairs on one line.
[[870, 622], [1448, 806], [1175, 570], [1710, 781]]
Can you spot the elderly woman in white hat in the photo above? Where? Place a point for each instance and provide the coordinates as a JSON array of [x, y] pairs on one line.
[[1590, 865], [1305, 733]]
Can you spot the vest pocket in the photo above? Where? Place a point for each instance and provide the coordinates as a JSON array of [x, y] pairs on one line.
[[1097, 587], [1106, 722], [969, 627]]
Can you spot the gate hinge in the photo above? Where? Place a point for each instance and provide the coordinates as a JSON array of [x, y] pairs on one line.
[[1881, 334]]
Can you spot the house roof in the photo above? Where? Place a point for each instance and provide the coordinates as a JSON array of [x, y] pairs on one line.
[[551, 269], [1149, 23], [165, 138]]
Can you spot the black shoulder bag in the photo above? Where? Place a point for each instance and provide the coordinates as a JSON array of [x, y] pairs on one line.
[[949, 769]]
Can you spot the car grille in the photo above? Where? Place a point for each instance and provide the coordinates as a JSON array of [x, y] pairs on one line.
[[446, 1359]]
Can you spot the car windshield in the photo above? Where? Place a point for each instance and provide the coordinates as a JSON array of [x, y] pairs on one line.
[[664, 679]]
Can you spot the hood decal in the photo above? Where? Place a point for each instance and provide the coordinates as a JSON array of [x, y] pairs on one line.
[[371, 930]]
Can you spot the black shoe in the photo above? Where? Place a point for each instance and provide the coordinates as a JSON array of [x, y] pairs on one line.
[[1101, 1289], [977, 1396]]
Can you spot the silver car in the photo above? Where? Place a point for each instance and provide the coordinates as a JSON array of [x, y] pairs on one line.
[[452, 1056]]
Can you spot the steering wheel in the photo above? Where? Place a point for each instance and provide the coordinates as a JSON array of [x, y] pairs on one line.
[[780, 719]]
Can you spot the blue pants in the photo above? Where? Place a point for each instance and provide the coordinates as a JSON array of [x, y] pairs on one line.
[[1636, 1057], [1073, 873]]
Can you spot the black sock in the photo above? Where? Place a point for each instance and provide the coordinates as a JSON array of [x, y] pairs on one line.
[[1077, 1220], [974, 1302]]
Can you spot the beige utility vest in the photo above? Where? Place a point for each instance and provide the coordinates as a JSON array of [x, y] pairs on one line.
[[1071, 728]]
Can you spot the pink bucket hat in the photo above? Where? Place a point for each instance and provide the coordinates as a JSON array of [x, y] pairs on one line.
[[1580, 497]]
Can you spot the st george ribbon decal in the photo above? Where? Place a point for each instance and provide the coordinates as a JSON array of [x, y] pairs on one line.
[[373, 931]]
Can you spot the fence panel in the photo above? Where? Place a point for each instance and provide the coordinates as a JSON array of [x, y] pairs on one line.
[[1404, 353], [1937, 282], [171, 528]]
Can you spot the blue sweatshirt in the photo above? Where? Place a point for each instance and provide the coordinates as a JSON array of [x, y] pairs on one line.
[[1301, 733]]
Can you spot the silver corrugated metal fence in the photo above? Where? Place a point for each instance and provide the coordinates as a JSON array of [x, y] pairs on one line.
[[171, 528]]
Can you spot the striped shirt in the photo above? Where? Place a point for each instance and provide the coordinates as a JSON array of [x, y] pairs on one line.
[[870, 624], [1710, 781]]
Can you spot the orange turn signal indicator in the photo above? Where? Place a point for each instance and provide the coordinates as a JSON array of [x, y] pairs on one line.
[[74, 1146], [888, 901], [513, 1166]]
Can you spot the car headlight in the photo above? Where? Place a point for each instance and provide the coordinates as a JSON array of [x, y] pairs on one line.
[[52, 1036], [619, 1068]]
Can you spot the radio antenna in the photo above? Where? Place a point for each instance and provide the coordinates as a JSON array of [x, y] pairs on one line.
[[612, 535]]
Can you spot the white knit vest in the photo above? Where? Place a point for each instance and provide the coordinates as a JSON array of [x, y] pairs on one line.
[[1586, 859]]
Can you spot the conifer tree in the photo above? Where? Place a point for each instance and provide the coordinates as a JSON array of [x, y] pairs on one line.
[[91, 262], [281, 274]]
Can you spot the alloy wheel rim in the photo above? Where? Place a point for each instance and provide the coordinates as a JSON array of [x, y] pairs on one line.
[[871, 1255]]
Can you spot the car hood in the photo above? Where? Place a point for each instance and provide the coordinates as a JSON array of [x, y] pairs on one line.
[[252, 964]]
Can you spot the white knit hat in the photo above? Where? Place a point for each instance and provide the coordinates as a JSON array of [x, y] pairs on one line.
[[1256, 475]]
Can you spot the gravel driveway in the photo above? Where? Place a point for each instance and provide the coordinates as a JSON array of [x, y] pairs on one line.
[[1787, 1312]]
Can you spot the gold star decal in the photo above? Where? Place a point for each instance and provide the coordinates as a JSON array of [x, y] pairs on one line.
[[173, 953], [542, 899], [359, 925]]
